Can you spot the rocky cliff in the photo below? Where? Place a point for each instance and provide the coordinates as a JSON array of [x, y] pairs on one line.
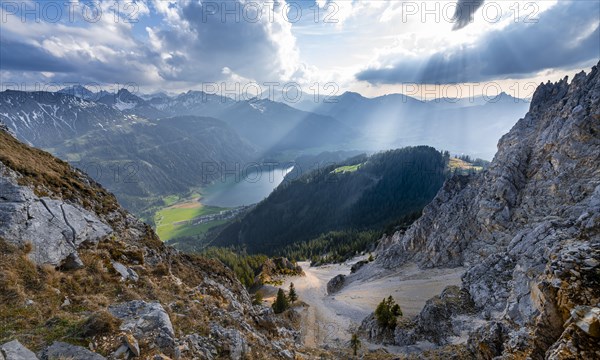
[[528, 231], [83, 279]]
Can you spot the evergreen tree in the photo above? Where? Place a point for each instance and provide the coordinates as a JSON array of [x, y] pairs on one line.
[[281, 304], [355, 343], [292, 296], [386, 313]]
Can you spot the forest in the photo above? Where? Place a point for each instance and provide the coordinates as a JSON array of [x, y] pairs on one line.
[[353, 197]]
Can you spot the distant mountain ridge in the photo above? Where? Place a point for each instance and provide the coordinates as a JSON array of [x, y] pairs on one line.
[[270, 126], [72, 127], [46, 119], [383, 122]]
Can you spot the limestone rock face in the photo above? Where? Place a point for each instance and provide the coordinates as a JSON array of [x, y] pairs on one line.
[[527, 228], [54, 228]]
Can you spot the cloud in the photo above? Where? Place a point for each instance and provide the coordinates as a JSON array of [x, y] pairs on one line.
[[172, 43], [29, 57], [519, 50], [464, 12], [250, 42]]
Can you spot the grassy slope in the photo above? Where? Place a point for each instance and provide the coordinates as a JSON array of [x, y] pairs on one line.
[[48, 175], [347, 169], [458, 164]]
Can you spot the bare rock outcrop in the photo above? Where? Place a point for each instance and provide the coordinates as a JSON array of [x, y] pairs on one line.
[[527, 228], [336, 284], [54, 228], [61, 350]]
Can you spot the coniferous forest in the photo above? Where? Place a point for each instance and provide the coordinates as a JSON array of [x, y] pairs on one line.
[[332, 209]]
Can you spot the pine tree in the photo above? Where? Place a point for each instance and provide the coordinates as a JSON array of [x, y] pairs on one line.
[[386, 313], [292, 295], [281, 304], [355, 343]]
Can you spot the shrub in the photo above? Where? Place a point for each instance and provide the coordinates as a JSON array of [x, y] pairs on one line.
[[355, 344], [257, 299], [100, 323]]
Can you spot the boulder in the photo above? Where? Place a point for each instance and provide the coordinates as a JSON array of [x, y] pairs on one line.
[[199, 347], [125, 272], [61, 350], [148, 322], [132, 344], [355, 267], [72, 262], [336, 284], [231, 340], [14, 350], [587, 318]]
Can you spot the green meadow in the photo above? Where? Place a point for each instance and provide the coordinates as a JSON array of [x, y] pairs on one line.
[[171, 221]]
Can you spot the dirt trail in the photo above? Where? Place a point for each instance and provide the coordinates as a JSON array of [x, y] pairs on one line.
[[330, 320]]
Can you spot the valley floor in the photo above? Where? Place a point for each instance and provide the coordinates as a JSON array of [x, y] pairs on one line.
[[330, 320]]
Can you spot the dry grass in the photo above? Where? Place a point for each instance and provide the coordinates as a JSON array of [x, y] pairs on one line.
[[32, 301]]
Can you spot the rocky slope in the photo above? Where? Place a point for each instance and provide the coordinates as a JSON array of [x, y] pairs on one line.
[[528, 229], [83, 279]]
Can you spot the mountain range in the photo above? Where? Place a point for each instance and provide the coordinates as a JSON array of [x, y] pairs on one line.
[[125, 134]]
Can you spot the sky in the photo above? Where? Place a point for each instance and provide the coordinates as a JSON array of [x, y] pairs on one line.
[[425, 49]]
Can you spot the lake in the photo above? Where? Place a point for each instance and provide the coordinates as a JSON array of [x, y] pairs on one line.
[[247, 188]]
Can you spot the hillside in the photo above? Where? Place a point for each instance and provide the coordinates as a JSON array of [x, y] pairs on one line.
[[142, 163], [81, 278], [528, 231], [361, 194]]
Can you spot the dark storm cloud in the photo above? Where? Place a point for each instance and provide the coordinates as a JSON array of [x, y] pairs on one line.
[[25, 57], [464, 12], [517, 51], [219, 37]]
